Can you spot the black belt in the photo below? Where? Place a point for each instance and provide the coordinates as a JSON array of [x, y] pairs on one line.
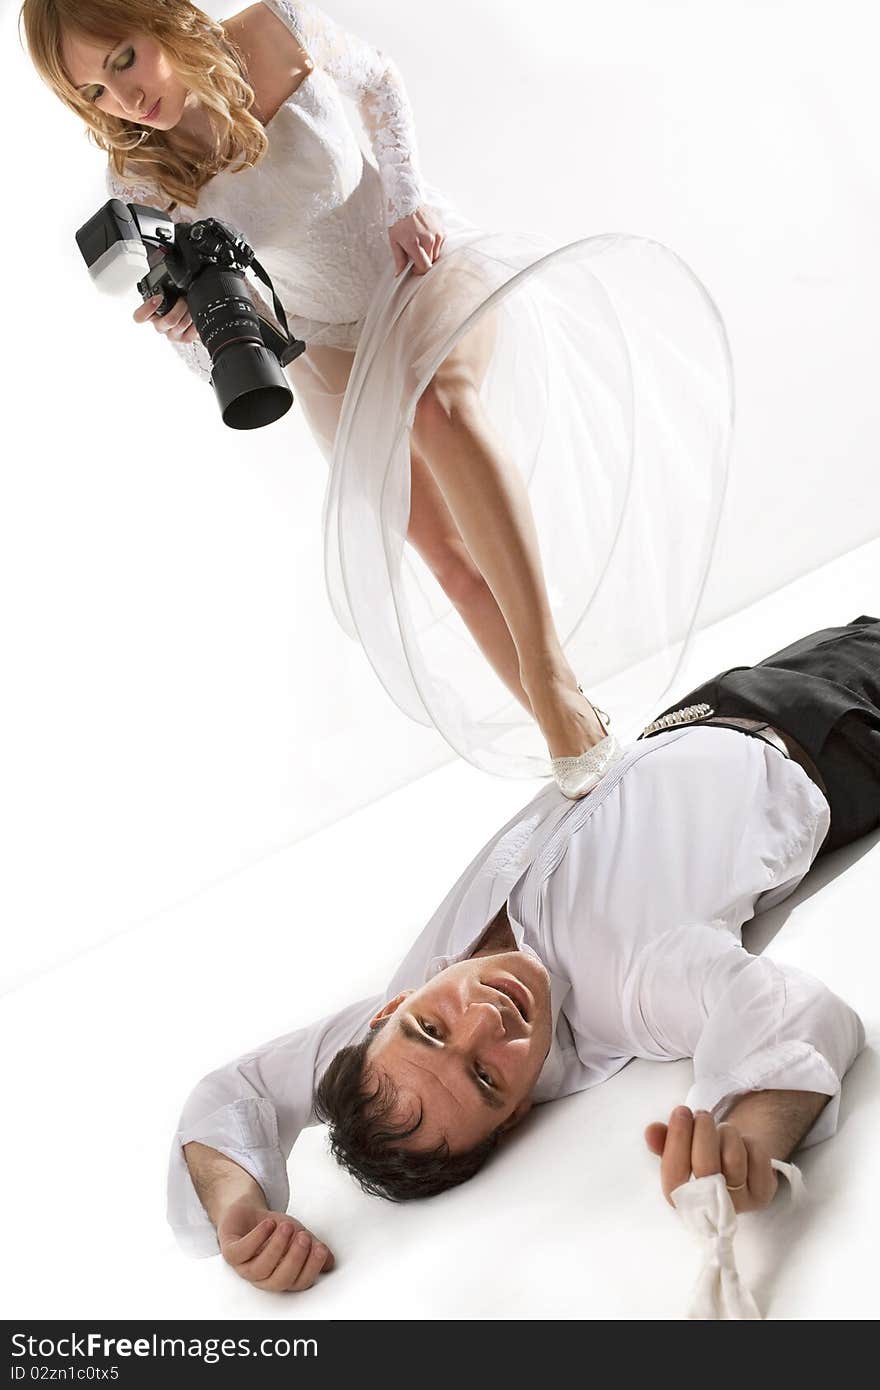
[[770, 733]]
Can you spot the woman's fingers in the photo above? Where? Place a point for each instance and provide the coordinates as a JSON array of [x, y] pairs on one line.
[[147, 309], [421, 255], [177, 322]]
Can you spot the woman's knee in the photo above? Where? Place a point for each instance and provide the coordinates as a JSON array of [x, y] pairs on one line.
[[444, 398]]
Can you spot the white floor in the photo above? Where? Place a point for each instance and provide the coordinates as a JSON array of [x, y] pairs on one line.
[[568, 1223]]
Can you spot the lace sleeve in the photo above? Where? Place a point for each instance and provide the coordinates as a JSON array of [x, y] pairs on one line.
[[374, 82], [195, 355]]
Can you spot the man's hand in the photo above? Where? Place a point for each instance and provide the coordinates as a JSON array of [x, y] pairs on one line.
[[416, 237], [693, 1143], [270, 1249]]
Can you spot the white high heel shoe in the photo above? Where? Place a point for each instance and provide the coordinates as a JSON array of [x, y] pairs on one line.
[[577, 776]]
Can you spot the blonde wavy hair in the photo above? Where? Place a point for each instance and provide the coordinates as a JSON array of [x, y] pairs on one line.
[[202, 54]]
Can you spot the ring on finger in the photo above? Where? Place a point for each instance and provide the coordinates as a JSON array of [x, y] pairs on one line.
[[739, 1187]]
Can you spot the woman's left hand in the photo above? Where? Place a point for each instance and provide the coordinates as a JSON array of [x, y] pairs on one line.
[[418, 238]]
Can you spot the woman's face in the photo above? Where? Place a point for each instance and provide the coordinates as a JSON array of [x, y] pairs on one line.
[[126, 79]]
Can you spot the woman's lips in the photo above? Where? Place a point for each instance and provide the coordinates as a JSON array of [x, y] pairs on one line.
[[151, 114]]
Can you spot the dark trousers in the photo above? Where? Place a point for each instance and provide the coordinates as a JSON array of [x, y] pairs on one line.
[[824, 690]]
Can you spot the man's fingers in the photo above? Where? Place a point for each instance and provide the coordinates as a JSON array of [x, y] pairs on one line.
[[655, 1137], [705, 1146], [763, 1180], [675, 1165], [235, 1252], [311, 1269], [266, 1261], [734, 1157], [291, 1266]]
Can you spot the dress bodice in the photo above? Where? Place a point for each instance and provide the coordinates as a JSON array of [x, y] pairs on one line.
[[312, 209], [316, 209]]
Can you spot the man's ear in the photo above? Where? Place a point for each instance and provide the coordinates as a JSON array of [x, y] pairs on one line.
[[391, 1007], [516, 1115]]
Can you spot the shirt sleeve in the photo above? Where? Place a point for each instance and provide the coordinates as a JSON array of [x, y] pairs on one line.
[[252, 1110], [750, 1023], [374, 82]]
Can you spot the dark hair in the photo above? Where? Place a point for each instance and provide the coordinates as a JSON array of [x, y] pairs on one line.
[[363, 1140]]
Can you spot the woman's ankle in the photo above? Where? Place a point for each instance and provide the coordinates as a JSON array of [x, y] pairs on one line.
[[546, 679]]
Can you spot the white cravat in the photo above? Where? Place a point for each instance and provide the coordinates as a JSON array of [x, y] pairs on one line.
[[705, 1207]]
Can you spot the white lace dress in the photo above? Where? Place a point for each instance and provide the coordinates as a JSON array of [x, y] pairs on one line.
[[609, 387]]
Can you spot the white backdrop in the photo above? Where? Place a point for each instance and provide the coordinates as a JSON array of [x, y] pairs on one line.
[[177, 701]]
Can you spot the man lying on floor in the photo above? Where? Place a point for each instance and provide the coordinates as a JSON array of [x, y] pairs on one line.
[[582, 935]]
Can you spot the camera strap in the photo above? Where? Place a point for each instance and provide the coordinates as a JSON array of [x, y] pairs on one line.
[[294, 347]]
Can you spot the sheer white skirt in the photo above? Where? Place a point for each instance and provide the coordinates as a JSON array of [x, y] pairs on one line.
[[610, 387]]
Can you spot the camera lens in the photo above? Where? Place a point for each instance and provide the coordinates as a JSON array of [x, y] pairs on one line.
[[248, 380]]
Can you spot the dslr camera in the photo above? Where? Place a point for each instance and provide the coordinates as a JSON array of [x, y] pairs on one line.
[[204, 261]]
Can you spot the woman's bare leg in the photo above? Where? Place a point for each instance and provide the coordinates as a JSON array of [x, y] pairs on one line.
[[434, 534], [488, 500], [320, 378]]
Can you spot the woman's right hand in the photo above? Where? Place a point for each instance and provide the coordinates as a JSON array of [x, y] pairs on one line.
[[177, 323], [271, 1249]]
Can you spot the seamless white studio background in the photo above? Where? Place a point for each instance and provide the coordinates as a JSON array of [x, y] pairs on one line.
[[177, 701]]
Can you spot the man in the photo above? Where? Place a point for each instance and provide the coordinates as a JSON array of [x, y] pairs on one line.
[[582, 935]]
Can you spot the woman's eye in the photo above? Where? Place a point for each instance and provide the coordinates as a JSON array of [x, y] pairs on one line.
[[485, 1078], [121, 68]]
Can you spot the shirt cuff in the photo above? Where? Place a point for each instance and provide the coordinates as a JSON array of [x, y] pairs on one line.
[[791, 1066], [246, 1131]]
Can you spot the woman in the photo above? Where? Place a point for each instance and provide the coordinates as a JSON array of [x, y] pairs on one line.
[[498, 389]]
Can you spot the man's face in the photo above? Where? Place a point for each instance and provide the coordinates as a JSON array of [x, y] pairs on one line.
[[467, 1047]]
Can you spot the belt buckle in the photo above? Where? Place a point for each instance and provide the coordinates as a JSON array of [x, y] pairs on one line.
[[685, 714]]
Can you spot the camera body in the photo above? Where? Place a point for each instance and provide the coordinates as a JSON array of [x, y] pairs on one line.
[[205, 261]]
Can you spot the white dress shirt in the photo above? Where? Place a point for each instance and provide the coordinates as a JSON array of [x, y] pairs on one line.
[[633, 897]]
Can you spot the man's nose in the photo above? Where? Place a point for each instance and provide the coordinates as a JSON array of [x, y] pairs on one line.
[[482, 1022]]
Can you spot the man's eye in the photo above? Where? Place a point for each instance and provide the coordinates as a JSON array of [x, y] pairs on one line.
[[429, 1028], [485, 1078], [122, 67]]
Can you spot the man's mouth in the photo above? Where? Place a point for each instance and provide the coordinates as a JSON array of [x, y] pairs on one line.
[[516, 992]]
